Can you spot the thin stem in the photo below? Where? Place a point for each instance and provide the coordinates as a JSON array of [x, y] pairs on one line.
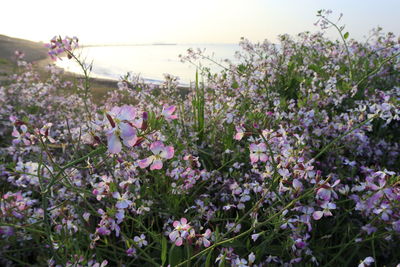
[[341, 136]]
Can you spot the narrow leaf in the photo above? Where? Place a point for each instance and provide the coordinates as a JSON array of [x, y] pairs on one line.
[[164, 247]]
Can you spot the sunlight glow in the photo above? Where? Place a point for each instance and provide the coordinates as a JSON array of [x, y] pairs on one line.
[[185, 21]]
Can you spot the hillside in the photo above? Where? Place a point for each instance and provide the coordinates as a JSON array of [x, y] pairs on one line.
[[34, 51]]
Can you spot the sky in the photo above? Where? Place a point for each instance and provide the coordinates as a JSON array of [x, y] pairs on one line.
[[187, 21]]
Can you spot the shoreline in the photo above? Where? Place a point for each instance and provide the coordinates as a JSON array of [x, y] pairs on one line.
[[36, 54], [99, 86]]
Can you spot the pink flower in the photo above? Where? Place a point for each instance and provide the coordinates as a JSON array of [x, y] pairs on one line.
[[327, 206], [240, 131], [24, 136], [58, 46], [167, 112], [45, 132], [180, 232], [258, 153], [160, 152], [204, 239], [121, 119]]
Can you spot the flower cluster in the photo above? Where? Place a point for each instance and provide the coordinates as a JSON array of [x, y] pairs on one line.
[[183, 231], [286, 157], [58, 46]]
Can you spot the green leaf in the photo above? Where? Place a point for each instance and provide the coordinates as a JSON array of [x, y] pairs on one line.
[[113, 187], [175, 255], [208, 259], [242, 68], [164, 246], [235, 85], [346, 35]]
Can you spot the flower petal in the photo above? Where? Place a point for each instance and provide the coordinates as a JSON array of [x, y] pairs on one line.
[[144, 163], [127, 130], [317, 215], [157, 165], [253, 147], [127, 113], [253, 158], [169, 152], [123, 204], [239, 136], [179, 242], [263, 157], [173, 235], [15, 133], [157, 147], [114, 144]]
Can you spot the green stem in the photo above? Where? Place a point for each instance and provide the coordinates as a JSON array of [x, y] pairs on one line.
[[292, 203], [343, 135]]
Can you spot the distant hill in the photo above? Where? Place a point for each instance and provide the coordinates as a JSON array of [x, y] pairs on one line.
[[33, 51]]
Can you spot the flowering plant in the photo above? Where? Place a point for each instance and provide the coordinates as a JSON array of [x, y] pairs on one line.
[[288, 156]]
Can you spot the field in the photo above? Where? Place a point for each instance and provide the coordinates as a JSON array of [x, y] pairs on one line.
[[290, 157]]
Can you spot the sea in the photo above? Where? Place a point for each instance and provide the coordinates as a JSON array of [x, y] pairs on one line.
[[149, 61]]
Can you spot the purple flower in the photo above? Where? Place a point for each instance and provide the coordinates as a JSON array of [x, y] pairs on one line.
[[240, 262], [297, 185], [6, 231], [366, 262], [130, 252], [255, 237], [103, 231], [252, 258], [120, 215], [140, 241], [369, 229], [326, 191], [93, 263], [58, 45], [122, 201], [384, 211]]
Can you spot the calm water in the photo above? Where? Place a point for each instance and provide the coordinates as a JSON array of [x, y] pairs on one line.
[[150, 61]]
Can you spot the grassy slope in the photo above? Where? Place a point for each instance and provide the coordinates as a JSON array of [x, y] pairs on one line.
[[36, 52], [33, 51]]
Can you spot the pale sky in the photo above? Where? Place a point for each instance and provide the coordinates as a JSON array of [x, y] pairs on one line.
[[187, 21]]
